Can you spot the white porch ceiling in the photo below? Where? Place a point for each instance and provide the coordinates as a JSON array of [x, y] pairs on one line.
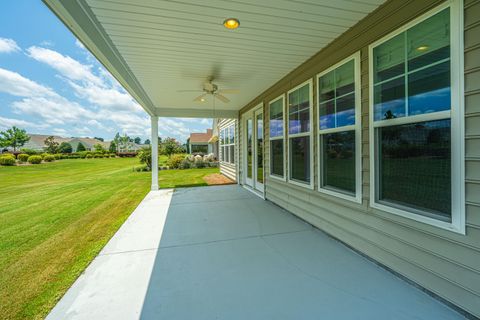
[[166, 46]]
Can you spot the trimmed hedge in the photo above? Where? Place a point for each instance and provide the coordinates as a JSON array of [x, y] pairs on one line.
[[35, 159], [58, 156], [88, 156], [23, 157], [7, 160], [49, 158]]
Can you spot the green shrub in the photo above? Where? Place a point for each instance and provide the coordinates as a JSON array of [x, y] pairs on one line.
[[30, 152], [185, 164], [112, 155], [49, 158], [88, 156], [199, 164], [23, 157], [98, 155], [7, 160], [175, 160], [35, 159], [43, 155], [58, 156]]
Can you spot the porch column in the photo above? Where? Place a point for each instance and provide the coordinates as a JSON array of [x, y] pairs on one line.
[[154, 142]]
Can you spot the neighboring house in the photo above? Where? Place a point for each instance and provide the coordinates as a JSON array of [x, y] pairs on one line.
[[37, 141], [226, 130], [325, 85], [88, 143], [199, 143]]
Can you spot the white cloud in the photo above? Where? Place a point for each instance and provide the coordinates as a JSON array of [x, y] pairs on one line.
[[79, 44], [67, 66], [17, 85], [8, 45], [6, 123]]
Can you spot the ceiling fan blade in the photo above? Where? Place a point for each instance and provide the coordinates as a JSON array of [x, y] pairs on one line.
[[200, 98], [189, 90], [229, 91], [222, 98]]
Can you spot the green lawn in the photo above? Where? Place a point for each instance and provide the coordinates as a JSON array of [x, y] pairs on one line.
[[56, 217]]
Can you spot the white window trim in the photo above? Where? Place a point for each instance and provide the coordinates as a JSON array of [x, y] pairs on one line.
[[456, 115], [226, 128], [358, 132], [282, 137], [303, 134]]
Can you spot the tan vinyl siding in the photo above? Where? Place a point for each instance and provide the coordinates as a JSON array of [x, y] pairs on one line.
[[229, 169], [444, 262]]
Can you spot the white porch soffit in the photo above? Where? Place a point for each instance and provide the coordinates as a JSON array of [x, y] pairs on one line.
[[155, 48]]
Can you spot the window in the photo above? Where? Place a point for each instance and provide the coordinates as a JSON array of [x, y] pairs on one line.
[[339, 142], [227, 144], [416, 120], [200, 149], [299, 135], [277, 138]]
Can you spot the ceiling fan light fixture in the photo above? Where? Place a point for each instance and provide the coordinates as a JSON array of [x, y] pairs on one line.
[[231, 23], [202, 100]]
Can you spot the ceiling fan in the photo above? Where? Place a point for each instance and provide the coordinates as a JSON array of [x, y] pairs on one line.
[[210, 88]]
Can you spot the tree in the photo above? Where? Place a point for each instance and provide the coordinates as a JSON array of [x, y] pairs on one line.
[[14, 138], [147, 141], [113, 147], [171, 146], [123, 143], [80, 147], [99, 148], [65, 147], [98, 138], [51, 145], [137, 140]]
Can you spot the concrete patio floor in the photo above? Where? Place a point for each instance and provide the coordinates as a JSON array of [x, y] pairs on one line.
[[224, 253]]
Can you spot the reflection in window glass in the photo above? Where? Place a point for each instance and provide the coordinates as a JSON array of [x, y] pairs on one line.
[[276, 157], [420, 57], [276, 119], [338, 166], [299, 110], [259, 151], [300, 159], [415, 167], [249, 148], [337, 97]]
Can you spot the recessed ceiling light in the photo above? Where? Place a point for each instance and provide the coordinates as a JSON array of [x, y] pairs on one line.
[[202, 100], [231, 23], [422, 48]]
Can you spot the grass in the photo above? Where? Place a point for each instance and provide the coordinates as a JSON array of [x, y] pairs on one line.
[[56, 217]]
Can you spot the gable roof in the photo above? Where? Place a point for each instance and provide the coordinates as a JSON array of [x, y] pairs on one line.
[[196, 137]]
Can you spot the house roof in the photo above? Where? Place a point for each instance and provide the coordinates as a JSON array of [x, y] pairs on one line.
[[90, 142], [197, 137], [37, 141]]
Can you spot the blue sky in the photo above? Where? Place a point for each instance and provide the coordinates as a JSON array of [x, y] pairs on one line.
[[50, 84]]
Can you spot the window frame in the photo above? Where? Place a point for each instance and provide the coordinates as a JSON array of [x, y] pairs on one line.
[[282, 137], [309, 134], [357, 127], [455, 114], [225, 147]]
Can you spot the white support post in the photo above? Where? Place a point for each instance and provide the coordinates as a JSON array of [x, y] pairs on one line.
[[154, 142]]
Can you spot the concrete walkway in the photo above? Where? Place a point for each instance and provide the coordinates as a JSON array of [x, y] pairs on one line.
[[224, 253]]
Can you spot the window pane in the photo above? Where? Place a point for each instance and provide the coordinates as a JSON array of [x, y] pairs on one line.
[[276, 118], [276, 157], [389, 59], [346, 110], [232, 154], [249, 148], [429, 41], [327, 86], [414, 167], [339, 161], [299, 110], [429, 89], [259, 119], [389, 99], [327, 115], [345, 79], [300, 159]]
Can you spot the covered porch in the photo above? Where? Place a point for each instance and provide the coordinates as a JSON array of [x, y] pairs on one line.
[[224, 253]]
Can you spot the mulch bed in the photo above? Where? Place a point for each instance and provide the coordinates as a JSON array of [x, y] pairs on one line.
[[217, 179]]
